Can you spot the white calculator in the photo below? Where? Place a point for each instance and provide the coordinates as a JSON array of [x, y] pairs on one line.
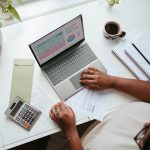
[[23, 113]]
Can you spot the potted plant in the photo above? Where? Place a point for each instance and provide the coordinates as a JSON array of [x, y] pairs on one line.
[[6, 10], [112, 2], [6, 6]]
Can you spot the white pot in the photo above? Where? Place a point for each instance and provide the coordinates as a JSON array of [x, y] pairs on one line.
[[5, 16]]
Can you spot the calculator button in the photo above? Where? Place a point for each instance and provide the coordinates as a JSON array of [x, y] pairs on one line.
[[25, 119], [17, 119], [22, 122], [32, 114], [23, 116], [20, 114]]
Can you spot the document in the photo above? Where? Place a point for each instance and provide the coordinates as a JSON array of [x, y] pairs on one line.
[[41, 101], [89, 103]]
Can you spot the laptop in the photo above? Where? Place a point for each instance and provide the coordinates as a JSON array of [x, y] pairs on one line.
[[62, 54]]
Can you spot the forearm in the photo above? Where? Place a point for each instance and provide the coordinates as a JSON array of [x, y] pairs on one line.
[[74, 142], [137, 88]]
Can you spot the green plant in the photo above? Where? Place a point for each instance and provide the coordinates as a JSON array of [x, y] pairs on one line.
[[112, 2], [7, 6]]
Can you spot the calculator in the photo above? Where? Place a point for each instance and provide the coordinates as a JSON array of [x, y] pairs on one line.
[[23, 113]]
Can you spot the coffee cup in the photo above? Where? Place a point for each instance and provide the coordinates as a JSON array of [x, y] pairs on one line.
[[112, 30]]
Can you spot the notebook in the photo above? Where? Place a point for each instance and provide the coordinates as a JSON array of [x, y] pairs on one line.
[[132, 59]]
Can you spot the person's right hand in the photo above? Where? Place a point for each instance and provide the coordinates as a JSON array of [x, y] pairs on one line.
[[64, 116], [96, 80]]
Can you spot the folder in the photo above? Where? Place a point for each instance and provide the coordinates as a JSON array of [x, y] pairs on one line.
[[22, 79]]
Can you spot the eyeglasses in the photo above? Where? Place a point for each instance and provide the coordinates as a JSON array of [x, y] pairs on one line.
[[141, 135]]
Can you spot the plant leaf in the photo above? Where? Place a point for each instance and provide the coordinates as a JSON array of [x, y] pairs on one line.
[[117, 1], [13, 11], [111, 2]]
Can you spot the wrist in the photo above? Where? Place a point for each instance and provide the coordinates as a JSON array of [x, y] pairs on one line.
[[70, 131], [112, 81]]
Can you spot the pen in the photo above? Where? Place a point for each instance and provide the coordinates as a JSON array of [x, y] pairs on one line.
[[140, 53]]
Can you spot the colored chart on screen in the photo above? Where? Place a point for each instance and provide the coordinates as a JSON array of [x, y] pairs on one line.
[[50, 46]]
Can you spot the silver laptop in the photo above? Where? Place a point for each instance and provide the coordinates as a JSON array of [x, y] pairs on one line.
[[63, 54]]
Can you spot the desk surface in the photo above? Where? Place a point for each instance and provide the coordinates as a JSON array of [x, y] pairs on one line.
[[130, 14]]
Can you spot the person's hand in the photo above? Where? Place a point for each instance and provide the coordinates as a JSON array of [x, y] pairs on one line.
[[95, 79], [64, 117]]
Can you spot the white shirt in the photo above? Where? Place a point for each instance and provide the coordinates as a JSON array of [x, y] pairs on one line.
[[119, 128]]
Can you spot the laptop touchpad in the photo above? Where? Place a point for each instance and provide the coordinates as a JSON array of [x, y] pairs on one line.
[[75, 80]]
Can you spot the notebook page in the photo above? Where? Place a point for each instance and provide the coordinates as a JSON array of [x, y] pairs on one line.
[[142, 42]]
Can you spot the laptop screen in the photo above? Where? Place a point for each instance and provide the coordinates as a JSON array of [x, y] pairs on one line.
[[59, 40]]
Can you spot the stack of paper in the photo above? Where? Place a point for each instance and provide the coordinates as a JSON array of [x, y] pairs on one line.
[[136, 55], [138, 59]]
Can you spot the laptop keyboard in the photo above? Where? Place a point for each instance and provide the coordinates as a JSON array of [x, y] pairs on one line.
[[73, 62]]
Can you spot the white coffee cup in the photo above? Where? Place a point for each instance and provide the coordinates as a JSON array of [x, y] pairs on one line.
[[112, 30]]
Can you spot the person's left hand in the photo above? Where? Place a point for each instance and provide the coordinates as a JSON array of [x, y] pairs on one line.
[[64, 116]]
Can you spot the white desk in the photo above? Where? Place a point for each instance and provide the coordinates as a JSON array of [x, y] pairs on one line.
[[40, 8], [131, 14]]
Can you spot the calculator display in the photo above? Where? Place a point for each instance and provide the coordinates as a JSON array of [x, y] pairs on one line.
[[16, 108]]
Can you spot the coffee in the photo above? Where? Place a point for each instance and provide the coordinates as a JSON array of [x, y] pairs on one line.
[[111, 28]]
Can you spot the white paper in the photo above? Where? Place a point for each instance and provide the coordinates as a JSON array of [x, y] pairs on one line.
[[142, 42], [42, 102], [89, 103]]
